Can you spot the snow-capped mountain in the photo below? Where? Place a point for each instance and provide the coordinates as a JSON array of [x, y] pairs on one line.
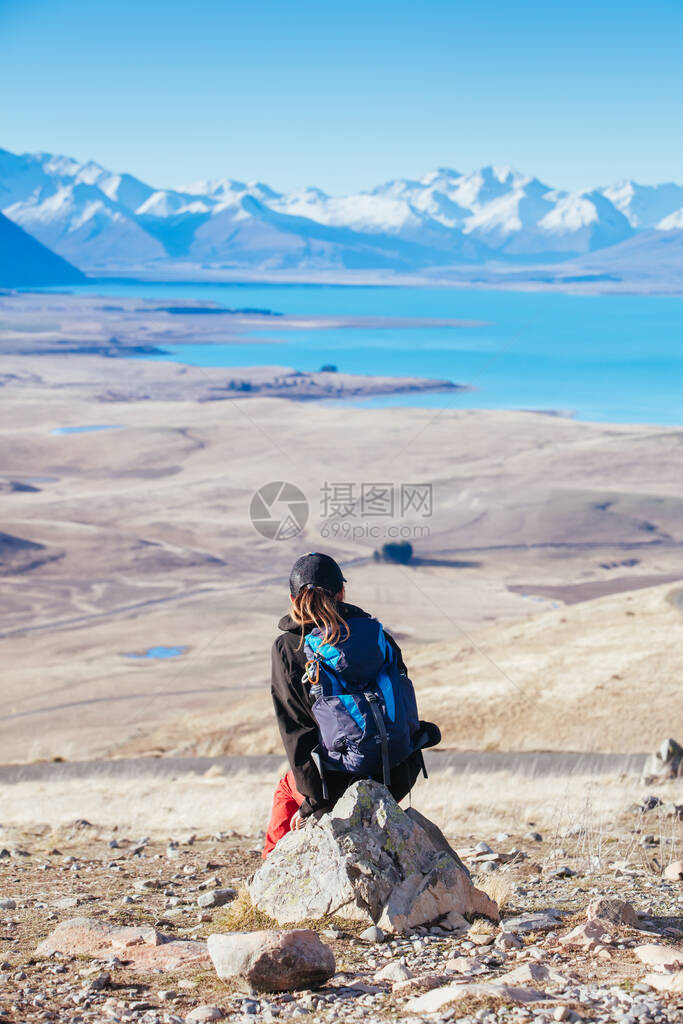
[[107, 222]]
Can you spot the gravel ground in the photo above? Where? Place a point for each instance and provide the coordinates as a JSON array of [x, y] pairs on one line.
[[50, 875]]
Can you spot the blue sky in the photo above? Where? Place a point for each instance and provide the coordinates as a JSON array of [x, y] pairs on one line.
[[346, 94]]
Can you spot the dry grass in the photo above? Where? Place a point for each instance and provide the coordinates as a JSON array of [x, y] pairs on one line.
[[469, 1005], [469, 804], [499, 887], [242, 916], [482, 926]]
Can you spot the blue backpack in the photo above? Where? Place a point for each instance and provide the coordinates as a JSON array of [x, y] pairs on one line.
[[364, 706]]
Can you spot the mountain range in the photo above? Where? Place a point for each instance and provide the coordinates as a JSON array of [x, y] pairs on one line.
[[495, 217]]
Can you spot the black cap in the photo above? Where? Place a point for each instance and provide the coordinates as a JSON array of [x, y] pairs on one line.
[[316, 570]]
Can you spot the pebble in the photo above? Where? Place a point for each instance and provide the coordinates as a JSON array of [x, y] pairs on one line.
[[52, 991], [372, 934], [561, 872], [208, 1012], [8, 904], [394, 971]]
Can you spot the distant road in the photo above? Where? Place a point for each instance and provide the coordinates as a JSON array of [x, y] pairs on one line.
[[541, 763]]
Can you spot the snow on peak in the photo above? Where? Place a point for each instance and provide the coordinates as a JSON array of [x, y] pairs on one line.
[[570, 213], [92, 215], [645, 206], [214, 187]]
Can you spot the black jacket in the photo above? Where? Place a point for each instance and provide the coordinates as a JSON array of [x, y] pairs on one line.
[[298, 727]]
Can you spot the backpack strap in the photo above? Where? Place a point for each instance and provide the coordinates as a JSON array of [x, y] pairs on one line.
[[318, 762], [383, 737]]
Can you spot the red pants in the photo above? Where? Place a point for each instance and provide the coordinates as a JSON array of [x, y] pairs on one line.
[[286, 802]]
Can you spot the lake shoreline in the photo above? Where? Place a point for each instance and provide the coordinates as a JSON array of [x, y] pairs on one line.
[[595, 358]]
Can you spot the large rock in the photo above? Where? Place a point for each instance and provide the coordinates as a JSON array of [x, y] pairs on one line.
[[436, 837], [366, 860], [142, 948], [272, 961]]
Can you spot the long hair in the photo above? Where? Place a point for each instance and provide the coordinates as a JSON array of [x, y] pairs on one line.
[[314, 606]]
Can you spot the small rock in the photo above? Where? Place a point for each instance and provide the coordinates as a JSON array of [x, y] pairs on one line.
[[507, 940], [166, 994], [8, 904], [532, 974], [537, 921], [533, 837], [674, 871], [144, 947], [202, 1013], [589, 936], [666, 763], [665, 982], [372, 934], [272, 961], [464, 965], [432, 1001], [483, 848], [561, 872], [66, 903], [216, 898], [561, 1013], [101, 980], [394, 971], [665, 957], [612, 911]]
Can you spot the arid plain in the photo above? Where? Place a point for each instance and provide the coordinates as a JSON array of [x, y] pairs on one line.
[[541, 610]]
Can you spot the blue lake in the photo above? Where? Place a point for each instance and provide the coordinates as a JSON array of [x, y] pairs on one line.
[[603, 357]]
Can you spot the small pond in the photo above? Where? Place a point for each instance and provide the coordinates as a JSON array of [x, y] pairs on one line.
[[157, 652], [86, 429]]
